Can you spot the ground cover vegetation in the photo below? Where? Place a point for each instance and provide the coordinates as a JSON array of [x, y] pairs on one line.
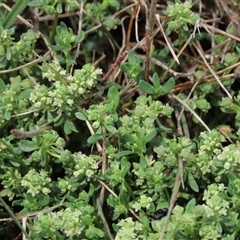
[[119, 119]]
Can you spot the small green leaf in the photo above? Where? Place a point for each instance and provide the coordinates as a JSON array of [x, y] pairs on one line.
[[110, 128], [25, 94], [140, 76], [49, 117], [69, 127], [27, 146], [70, 62], [143, 161], [57, 47], [81, 116], [59, 8], [8, 54], [122, 154], [15, 164], [5, 192], [61, 28], [156, 226], [95, 137], [80, 37], [231, 176], [155, 80], [127, 137], [146, 87], [7, 115], [123, 197], [133, 58], [26, 84], [168, 86], [15, 83], [125, 166], [2, 85], [58, 120], [163, 53], [192, 183], [112, 201], [125, 67], [150, 136], [190, 205], [113, 97], [66, 129], [44, 201], [37, 3], [3, 62]]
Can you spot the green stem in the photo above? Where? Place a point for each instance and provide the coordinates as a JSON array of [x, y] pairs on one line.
[[16, 10], [101, 214], [174, 197], [55, 23], [67, 59], [16, 158], [14, 218]]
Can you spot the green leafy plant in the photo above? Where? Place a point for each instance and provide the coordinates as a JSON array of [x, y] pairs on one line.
[[95, 150]]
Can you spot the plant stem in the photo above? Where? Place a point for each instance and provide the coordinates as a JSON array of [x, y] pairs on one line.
[[149, 30], [14, 218], [11, 16], [101, 214]]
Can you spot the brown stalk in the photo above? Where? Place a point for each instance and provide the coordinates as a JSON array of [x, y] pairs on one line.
[[149, 30], [115, 65]]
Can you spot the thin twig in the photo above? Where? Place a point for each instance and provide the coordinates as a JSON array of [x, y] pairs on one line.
[[174, 73], [172, 202], [130, 24], [149, 29], [136, 24], [181, 50], [25, 65], [115, 65], [192, 111], [19, 134], [166, 39], [26, 113], [31, 214], [34, 83], [54, 70], [13, 217], [104, 167], [99, 148], [190, 93], [213, 73], [79, 32], [217, 30], [141, 43], [101, 214], [116, 196], [182, 130]]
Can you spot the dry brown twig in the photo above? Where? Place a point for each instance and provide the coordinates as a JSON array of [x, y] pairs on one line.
[[104, 167], [31, 214], [116, 196], [80, 14], [209, 29], [149, 30], [25, 65], [28, 134], [166, 39], [196, 27], [210, 69]]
